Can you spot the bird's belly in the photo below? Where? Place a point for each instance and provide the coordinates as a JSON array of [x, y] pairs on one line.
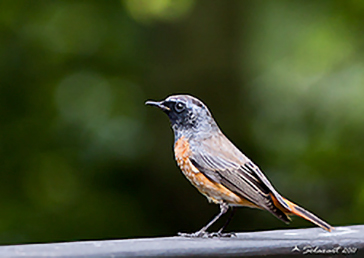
[[214, 192]]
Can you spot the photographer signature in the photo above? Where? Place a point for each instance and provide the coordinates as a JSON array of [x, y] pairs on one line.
[[308, 249]]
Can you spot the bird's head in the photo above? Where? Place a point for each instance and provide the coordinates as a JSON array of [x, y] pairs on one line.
[[188, 115]]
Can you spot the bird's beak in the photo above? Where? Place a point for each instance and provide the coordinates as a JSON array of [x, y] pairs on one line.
[[158, 104]]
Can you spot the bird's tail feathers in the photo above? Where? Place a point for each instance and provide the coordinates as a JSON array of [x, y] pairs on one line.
[[299, 211]]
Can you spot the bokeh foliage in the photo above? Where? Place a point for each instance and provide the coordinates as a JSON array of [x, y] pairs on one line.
[[83, 158]]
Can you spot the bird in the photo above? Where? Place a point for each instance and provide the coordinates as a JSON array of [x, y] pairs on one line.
[[218, 169]]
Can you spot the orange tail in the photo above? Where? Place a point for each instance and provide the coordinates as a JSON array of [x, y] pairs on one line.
[[299, 211]]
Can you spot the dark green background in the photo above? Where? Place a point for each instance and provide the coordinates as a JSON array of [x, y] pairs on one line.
[[81, 157]]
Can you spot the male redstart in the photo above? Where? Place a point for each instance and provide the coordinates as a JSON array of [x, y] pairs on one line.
[[218, 169]]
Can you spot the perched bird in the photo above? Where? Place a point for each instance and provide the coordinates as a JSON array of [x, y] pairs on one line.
[[218, 169]]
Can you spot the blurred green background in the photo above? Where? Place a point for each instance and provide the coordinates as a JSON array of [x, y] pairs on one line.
[[83, 158]]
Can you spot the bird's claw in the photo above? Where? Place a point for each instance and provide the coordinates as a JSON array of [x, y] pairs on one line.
[[204, 234], [220, 234], [198, 234]]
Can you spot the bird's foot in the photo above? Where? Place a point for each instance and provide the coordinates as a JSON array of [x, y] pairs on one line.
[[221, 235], [204, 234], [198, 234]]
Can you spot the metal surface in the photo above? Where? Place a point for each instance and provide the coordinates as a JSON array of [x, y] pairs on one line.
[[341, 242]]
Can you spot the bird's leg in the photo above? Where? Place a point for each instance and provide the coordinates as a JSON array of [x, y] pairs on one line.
[[219, 233], [224, 207]]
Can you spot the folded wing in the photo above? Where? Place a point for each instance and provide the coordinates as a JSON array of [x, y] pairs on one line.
[[220, 161]]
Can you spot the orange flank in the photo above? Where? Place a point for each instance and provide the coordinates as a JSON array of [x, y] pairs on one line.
[[214, 192]]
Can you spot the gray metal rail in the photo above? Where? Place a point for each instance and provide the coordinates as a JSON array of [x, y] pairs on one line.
[[342, 242]]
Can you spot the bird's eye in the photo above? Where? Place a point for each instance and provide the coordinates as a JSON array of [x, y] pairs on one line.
[[179, 107]]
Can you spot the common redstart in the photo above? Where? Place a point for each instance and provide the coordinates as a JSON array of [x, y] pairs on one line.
[[218, 169]]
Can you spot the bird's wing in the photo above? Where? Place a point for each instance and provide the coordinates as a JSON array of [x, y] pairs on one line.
[[220, 161]]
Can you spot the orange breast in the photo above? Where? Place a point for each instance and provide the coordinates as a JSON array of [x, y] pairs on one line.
[[213, 191]]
